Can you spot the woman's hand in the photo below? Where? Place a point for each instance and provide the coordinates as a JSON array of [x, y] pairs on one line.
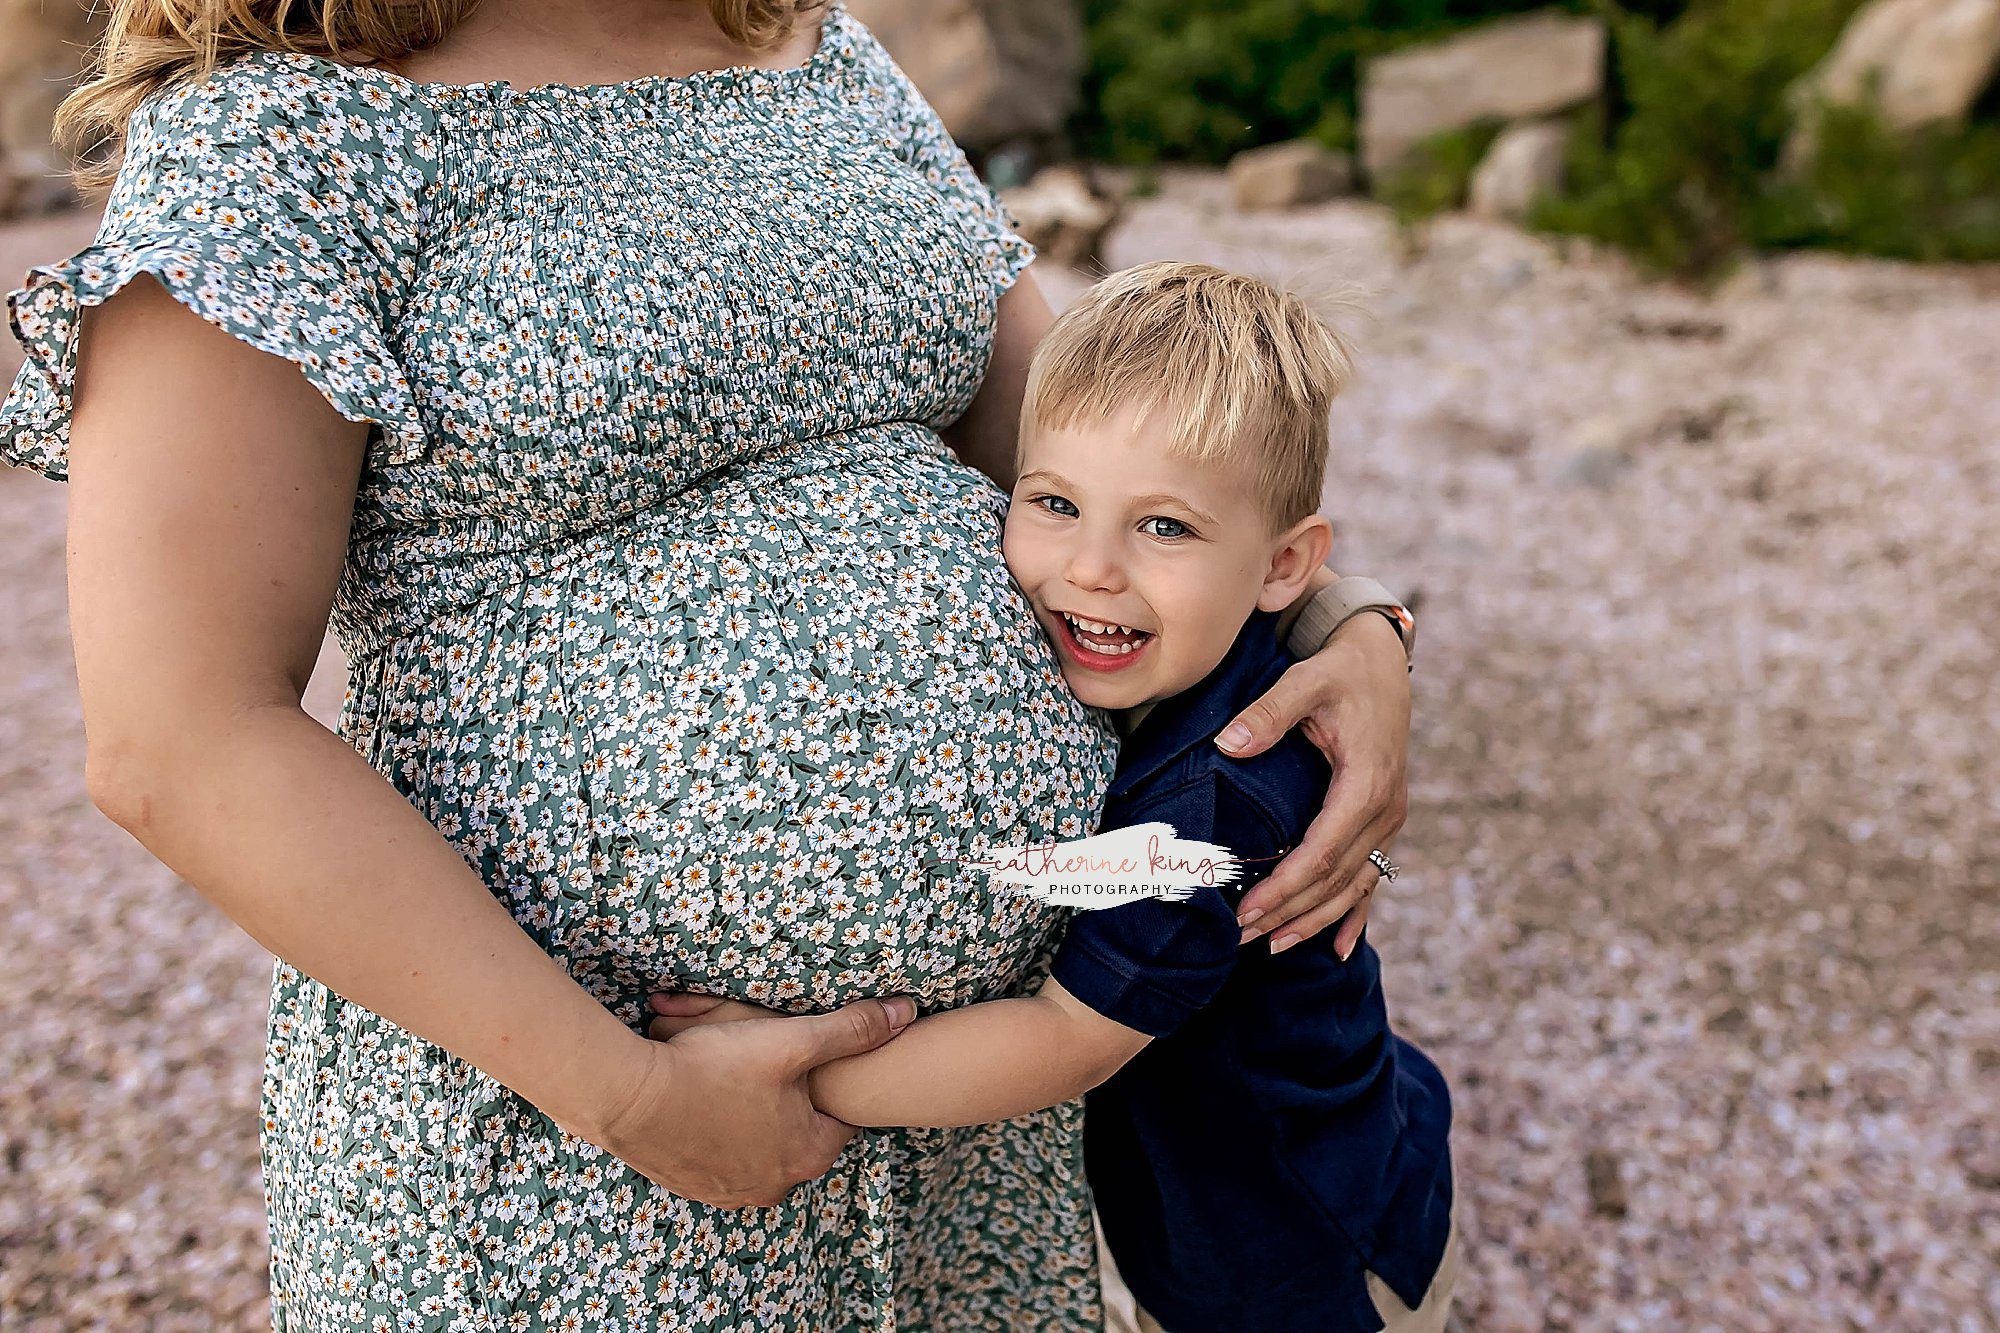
[[677, 1011], [1353, 698], [667, 1127]]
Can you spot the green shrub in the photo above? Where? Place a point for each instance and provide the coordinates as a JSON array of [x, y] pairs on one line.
[[1931, 194], [1691, 174], [1437, 171], [1198, 80], [1705, 117], [1679, 166]]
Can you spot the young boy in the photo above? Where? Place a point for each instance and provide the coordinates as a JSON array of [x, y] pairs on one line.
[[1265, 1153]]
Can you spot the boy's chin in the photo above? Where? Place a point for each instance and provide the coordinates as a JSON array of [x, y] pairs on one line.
[[1094, 692]]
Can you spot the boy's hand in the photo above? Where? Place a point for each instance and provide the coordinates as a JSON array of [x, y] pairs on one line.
[[678, 1012], [1353, 697]]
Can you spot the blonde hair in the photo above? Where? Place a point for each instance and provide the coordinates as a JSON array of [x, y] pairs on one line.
[[148, 44], [1247, 372]]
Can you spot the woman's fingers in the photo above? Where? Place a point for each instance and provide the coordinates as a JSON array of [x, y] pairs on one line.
[[678, 1011], [852, 1029], [1354, 898], [849, 1030], [682, 1004], [666, 1029], [1328, 855], [770, 1138], [1271, 714], [1351, 927], [1340, 879], [1353, 697]]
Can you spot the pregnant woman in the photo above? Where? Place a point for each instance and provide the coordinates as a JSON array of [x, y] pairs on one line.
[[588, 362]]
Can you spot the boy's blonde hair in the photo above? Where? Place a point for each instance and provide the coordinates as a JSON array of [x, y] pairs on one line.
[[1247, 372]]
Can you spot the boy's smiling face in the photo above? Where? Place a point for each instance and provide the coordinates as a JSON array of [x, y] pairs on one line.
[[1142, 566]]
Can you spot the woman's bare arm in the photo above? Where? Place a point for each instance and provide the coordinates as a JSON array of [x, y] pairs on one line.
[[986, 435], [206, 531], [211, 494]]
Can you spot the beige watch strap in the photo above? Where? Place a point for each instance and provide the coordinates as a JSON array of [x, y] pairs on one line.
[[1341, 600]]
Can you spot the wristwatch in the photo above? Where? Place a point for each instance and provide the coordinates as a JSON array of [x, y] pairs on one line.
[[1342, 600]]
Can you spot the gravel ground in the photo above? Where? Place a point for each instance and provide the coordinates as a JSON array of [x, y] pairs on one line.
[[1700, 912]]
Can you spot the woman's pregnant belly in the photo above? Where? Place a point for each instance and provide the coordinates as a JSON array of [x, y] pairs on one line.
[[740, 743]]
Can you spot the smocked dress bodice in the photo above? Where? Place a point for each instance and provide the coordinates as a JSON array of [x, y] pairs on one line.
[[668, 605]]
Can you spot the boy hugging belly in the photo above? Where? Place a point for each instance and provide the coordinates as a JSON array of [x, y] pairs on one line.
[[1265, 1152]]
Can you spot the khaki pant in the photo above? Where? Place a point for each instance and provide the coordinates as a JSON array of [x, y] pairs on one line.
[[1123, 1314], [1434, 1315]]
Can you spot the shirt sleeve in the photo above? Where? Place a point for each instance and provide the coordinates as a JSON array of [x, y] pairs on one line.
[[1153, 964], [918, 135], [271, 203]]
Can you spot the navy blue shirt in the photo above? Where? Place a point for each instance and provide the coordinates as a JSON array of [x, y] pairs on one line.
[[1277, 1141]]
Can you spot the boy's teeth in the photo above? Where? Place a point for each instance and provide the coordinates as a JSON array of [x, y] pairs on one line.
[[1082, 626]]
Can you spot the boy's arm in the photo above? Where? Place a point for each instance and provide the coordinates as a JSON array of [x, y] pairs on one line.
[[970, 1066], [982, 1063], [1121, 976]]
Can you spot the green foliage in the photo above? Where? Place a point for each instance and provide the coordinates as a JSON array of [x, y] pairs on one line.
[[1437, 171], [1692, 174], [1679, 166], [1933, 194], [1199, 80], [1706, 117]]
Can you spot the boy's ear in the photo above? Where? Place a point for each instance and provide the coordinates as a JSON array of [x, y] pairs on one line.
[[1295, 555]]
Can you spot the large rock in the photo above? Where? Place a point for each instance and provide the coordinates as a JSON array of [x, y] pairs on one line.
[[1524, 163], [1063, 214], [1281, 175], [1928, 59], [42, 45], [1508, 70], [995, 69]]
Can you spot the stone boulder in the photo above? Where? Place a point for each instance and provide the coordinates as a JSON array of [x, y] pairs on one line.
[[1281, 175], [996, 70], [1507, 70], [1928, 60], [1523, 164], [1063, 214]]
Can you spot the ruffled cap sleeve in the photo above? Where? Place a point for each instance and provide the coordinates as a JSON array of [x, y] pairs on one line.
[[272, 206], [918, 134]]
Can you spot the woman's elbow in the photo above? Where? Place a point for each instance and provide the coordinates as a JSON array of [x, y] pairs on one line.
[[141, 762], [124, 781]]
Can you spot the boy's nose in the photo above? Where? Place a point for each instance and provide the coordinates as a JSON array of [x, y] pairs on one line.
[[1094, 569]]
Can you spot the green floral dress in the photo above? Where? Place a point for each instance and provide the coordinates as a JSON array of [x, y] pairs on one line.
[[668, 606]]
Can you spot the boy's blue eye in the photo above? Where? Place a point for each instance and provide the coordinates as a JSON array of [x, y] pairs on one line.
[[1177, 528], [1068, 510]]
